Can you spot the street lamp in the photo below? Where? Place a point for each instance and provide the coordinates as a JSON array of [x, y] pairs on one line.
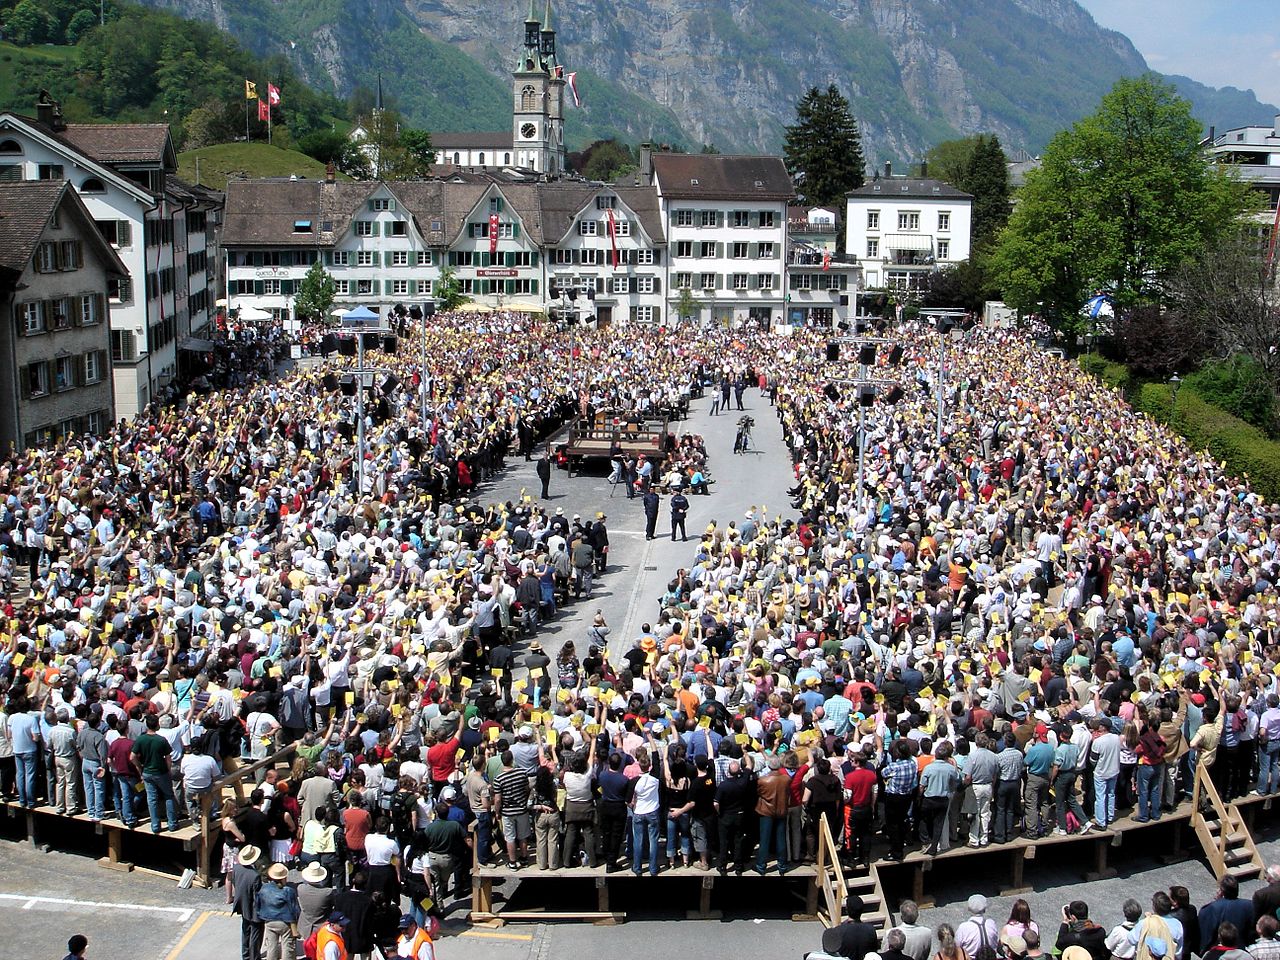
[[421, 315], [1175, 383]]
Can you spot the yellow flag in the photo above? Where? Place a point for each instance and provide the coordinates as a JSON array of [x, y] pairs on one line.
[[250, 90]]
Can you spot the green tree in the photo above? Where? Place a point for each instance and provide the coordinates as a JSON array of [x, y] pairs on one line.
[[316, 293], [421, 155], [824, 148], [687, 305], [81, 22], [29, 23], [986, 178], [948, 161], [449, 295], [1122, 200], [330, 146], [605, 161]]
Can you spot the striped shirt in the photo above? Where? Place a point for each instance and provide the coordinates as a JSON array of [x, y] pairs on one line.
[[512, 786]]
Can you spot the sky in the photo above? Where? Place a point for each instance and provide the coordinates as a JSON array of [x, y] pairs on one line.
[[1219, 42]]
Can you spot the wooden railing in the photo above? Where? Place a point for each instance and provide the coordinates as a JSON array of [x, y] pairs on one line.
[[210, 826], [831, 883], [1204, 792]]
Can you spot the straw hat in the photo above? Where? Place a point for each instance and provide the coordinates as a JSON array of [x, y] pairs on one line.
[[314, 873], [248, 856]]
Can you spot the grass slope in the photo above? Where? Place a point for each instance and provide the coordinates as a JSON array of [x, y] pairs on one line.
[[230, 161]]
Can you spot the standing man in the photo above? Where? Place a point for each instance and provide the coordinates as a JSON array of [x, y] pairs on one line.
[[544, 474], [151, 754], [650, 513], [773, 794], [277, 908], [679, 510], [245, 883]]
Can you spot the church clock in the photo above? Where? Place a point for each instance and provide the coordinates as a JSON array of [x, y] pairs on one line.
[[529, 130]]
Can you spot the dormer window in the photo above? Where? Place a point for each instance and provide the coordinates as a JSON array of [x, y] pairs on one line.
[[302, 226]]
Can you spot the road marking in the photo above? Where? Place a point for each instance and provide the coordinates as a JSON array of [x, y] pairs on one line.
[[488, 935], [634, 602], [186, 937], [180, 915]]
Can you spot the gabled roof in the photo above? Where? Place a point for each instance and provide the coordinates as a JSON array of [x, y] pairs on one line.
[[26, 207], [263, 212], [125, 143], [911, 188], [55, 140], [696, 176]]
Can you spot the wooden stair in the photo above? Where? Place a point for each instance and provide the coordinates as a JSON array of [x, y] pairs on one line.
[[1222, 832], [833, 885]]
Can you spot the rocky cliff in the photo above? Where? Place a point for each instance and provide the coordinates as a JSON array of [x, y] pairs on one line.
[[725, 72]]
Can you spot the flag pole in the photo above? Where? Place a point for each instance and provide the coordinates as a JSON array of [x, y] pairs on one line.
[[268, 113], [246, 119]]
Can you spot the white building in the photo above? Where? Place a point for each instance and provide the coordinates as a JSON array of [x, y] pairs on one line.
[[535, 141], [725, 220], [1253, 154], [904, 228], [388, 243], [124, 175]]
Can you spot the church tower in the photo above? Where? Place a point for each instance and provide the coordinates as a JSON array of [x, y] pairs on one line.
[[538, 84]]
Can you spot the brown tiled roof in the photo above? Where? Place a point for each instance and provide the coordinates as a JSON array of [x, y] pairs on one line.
[[121, 142], [714, 177], [25, 209], [262, 212]]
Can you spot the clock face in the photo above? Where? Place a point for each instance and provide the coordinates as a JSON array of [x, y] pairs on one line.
[[529, 131]]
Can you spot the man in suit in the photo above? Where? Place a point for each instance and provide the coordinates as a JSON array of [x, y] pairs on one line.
[[544, 474], [245, 883], [650, 513]]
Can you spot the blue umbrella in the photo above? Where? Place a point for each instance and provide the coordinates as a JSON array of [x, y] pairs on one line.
[[359, 315]]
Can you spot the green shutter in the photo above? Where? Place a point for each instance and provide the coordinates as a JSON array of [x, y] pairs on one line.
[[257, 288], [413, 288], [391, 204], [328, 258], [511, 287], [369, 204], [515, 230], [387, 286], [533, 259], [533, 286], [375, 228], [510, 259]]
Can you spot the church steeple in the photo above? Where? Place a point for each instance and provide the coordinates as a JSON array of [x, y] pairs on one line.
[[531, 28], [548, 38]]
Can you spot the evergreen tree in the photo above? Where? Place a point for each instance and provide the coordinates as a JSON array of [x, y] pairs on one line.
[[986, 178], [824, 148]]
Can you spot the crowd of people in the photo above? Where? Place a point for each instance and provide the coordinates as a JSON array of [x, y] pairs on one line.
[[1167, 927], [1051, 614]]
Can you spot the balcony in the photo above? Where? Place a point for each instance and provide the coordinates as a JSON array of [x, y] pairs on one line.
[[814, 258], [804, 226]]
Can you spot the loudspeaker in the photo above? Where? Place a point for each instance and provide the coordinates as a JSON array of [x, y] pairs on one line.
[[945, 324], [415, 313], [328, 344], [867, 354], [895, 355], [866, 396], [390, 384], [389, 344], [833, 352], [429, 309], [860, 326], [346, 430], [371, 341], [399, 310], [348, 386], [831, 393], [553, 292], [894, 395], [330, 382], [346, 346]]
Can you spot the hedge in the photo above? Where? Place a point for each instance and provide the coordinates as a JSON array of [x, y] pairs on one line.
[[1244, 449], [1115, 375]]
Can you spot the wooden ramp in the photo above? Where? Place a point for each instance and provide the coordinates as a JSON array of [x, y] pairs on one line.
[[1222, 832]]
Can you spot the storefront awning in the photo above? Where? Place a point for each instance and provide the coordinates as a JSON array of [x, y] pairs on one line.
[[196, 345]]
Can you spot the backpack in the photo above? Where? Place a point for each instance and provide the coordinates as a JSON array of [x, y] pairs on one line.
[[309, 946], [985, 951]]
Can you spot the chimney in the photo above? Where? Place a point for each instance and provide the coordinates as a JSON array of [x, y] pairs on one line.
[[888, 169], [924, 169], [48, 112], [330, 172], [1212, 135], [646, 163]]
